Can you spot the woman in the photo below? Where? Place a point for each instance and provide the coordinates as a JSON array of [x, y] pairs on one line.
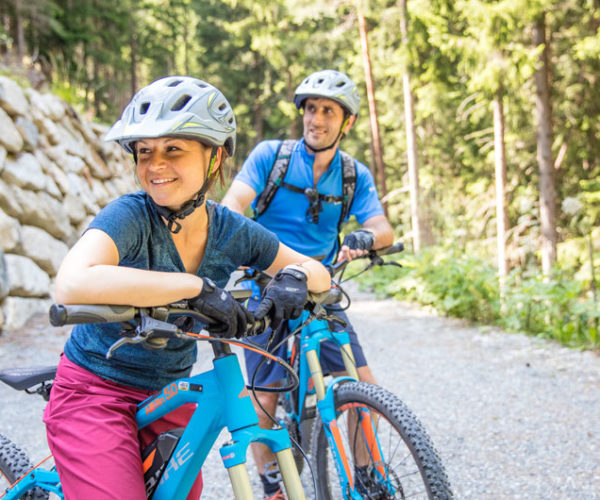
[[154, 247]]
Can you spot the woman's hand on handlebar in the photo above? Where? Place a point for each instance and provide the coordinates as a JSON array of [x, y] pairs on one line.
[[284, 297], [219, 305]]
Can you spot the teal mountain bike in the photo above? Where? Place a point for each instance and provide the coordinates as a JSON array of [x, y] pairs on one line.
[[362, 441], [220, 394]]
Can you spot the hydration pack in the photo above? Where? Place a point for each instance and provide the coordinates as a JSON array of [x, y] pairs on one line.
[[279, 170]]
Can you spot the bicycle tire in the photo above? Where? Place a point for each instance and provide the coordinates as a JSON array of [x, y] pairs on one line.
[[14, 463], [411, 461]]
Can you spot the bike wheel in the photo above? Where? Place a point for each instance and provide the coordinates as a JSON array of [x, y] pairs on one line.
[[13, 464], [410, 463]]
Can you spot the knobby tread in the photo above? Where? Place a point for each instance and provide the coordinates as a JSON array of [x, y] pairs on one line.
[[406, 423], [14, 463]]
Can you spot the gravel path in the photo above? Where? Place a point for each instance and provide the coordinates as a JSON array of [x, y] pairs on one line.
[[513, 417]]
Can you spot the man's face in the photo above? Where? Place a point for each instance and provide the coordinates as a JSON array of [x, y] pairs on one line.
[[323, 119]]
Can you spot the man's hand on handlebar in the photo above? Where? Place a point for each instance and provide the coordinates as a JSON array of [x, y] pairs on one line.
[[218, 304], [284, 297], [356, 244]]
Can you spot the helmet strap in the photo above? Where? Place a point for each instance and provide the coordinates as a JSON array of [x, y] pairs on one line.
[[189, 206]]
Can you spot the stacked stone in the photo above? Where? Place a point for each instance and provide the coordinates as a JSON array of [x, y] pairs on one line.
[[56, 173]]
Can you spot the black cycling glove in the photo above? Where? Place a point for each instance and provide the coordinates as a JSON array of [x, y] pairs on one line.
[[360, 239], [284, 297], [219, 305]]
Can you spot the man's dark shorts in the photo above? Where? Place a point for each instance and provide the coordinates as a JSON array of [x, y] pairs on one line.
[[331, 358]]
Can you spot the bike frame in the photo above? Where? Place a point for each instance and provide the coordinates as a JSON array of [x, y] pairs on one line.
[[312, 381], [222, 402]]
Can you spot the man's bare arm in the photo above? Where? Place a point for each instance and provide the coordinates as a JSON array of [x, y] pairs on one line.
[[238, 197]]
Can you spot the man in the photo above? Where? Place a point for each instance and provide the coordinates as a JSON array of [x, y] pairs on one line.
[[303, 191]]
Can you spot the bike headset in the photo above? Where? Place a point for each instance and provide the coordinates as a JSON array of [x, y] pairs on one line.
[[182, 107], [333, 85]]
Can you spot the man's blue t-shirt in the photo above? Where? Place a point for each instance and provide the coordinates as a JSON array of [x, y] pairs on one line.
[[144, 242], [287, 216]]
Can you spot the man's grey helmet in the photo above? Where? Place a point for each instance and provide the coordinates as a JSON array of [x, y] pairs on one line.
[[329, 84], [176, 106]]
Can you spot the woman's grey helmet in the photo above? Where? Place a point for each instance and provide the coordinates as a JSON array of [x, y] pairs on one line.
[[329, 84], [176, 106]]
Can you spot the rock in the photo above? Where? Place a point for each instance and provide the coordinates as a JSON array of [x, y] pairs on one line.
[[60, 178], [71, 163], [10, 137], [46, 251], [75, 208], [81, 188], [25, 172], [100, 192], [97, 165], [10, 231], [12, 97], [8, 200], [17, 310], [50, 130], [28, 131], [25, 277], [41, 210], [56, 172], [4, 284]]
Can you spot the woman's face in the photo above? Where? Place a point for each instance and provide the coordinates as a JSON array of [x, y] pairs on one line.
[[171, 170]]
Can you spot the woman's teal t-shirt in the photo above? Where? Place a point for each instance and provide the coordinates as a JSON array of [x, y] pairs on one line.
[[144, 242]]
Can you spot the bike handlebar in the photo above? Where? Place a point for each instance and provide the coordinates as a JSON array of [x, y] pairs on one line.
[[61, 315]]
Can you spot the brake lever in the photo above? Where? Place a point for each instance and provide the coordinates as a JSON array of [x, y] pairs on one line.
[[147, 330], [391, 263], [321, 313], [248, 274]]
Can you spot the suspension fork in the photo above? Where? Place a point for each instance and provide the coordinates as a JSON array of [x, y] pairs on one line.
[[361, 418]]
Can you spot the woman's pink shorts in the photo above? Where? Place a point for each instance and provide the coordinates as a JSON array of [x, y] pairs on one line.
[[93, 435]]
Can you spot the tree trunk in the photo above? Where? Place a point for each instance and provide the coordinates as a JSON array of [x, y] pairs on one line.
[[544, 150], [293, 130], [419, 238], [500, 167], [133, 60], [20, 32], [258, 117], [377, 147]]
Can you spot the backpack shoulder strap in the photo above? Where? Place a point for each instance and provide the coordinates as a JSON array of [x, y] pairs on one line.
[[276, 176], [348, 186]]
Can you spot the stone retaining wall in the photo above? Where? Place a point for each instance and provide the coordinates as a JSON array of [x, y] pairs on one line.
[[56, 172]]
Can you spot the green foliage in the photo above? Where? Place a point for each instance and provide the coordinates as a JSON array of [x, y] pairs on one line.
[[460, 54], [465, 287]]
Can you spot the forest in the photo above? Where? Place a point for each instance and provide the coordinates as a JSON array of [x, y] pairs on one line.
[[479, 120]]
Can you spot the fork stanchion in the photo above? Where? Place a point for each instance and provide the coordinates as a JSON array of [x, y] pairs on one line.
[[289, 474]]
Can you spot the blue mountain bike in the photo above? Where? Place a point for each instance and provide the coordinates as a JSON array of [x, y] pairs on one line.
[[363, 442], [174, 459]]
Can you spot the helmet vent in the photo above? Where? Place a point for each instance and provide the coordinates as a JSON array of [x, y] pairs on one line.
[[181, 102], [175, 83], [222, 106], [340, 84], [144, 108], [202, 85]]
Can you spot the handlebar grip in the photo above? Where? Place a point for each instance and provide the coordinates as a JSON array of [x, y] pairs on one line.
[[82, 313], [395, 248], [331, 296]]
